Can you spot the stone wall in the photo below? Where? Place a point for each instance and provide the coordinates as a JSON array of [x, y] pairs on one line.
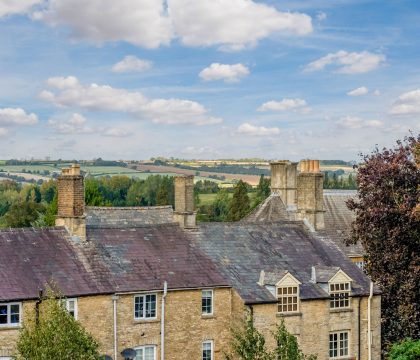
[[315, 321], [186, 328]]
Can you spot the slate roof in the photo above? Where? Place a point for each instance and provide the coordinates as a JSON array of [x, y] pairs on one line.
[[113, 260], [241, 251], [338, 217], [128, 216]]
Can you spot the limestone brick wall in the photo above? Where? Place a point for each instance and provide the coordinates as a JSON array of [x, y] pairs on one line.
[[71, 195], [185, 327], [315, 322], [184, 194]]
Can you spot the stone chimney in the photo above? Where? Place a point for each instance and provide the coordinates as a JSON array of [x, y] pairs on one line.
[[284, 181], [71, 201], [184, 202], [310, 193]]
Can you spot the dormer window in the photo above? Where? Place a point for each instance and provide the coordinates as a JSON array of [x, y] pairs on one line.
[[287, 291], [340, 295], [288, 298]]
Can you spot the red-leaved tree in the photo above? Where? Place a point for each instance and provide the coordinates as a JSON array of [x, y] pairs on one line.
[[387, 226]]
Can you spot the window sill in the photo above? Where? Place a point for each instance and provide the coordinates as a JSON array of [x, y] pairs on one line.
[[208, 316], [145, 321], [10, 327], [339, 311], [289, 314]]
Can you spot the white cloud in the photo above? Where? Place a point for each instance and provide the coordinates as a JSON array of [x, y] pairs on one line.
[[230, 24], [407, 103], [192, 150], [354, 122], [228, 73], [248, 129], [321, 16], [16, 116], [377, 93], [363, 90], [9, 7], [348, 63], [3, 132], [285, 104], [233, 24], [139, 22], [76, 124], [106, 98], [115, 132], [130, 64]]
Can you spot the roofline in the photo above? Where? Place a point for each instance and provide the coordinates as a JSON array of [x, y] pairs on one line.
[[129, 292]]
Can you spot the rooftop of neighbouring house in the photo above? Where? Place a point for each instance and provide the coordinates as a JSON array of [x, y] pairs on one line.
[[112, 260], [337, 217]]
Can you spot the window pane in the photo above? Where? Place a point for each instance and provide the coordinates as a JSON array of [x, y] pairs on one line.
[[150, 306], [207, 351], [3, 314], [14, 314], [139, 307], [149, 353], [139, 355]]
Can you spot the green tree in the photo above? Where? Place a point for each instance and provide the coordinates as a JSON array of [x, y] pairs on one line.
[[406, 350], [263, 191], [220, 207], [22, 214], [162, 195], [385, 224], [287, 345], [248, 344], [93, 196], [240, 203], [55, 335]]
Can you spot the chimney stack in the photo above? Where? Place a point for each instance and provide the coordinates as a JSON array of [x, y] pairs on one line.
[[310, 193], [185, 212], [71, 201], [284, 181]]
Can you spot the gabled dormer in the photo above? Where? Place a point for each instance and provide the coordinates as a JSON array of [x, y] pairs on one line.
[[335, 282], [287, 290], [285, 287]]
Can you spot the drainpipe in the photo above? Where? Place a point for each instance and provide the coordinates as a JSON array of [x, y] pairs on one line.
[[162, 322], [369, 323], [114, 301], [38, 302], [358, 330]]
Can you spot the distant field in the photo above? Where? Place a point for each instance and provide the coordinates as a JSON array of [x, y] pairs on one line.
[[208, 199], [2, 162]]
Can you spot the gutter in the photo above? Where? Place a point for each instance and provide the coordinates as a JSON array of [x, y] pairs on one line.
[[162, 322], [114, 301]]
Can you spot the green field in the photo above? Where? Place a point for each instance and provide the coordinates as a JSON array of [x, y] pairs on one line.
[[208, 199]]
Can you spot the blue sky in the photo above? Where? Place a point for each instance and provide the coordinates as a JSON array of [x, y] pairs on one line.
[[207, 79]]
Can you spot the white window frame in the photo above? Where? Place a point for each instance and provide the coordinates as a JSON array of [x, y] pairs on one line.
[[288, 296], [143, 315], [75, 309], [211, 342], [336, 296], [212, 302], [9, 323], [143, 347], [339, 348]]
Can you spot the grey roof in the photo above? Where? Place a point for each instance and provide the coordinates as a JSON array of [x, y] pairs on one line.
[[128, 216], [242, 250], [271, 209], [113, 260], [337, 216], [323, 274]]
